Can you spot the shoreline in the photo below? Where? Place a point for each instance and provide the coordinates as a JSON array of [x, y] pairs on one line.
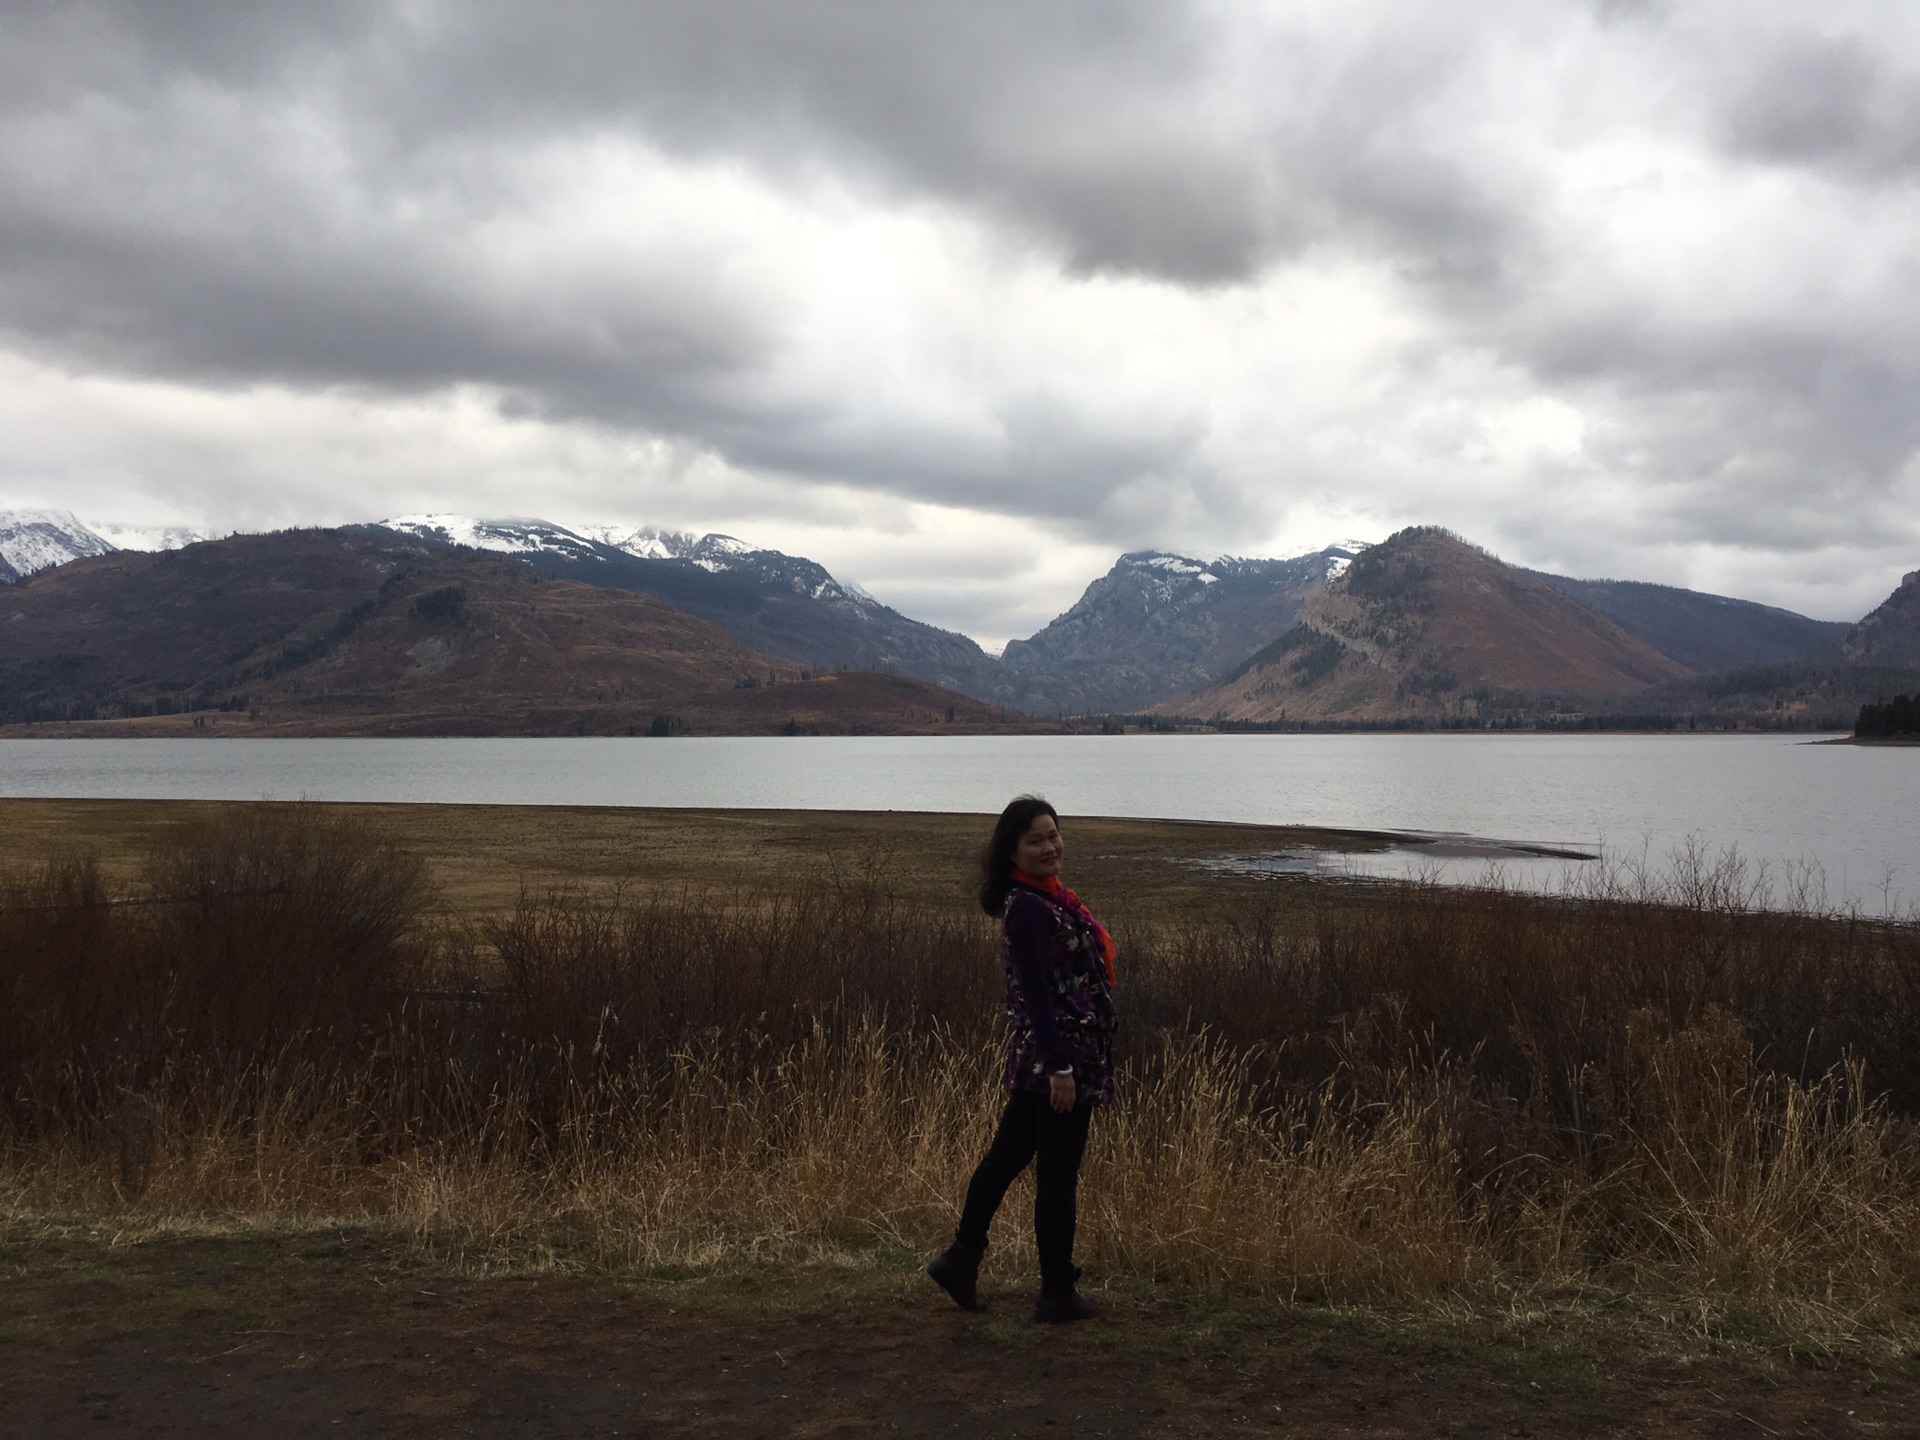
[[214, 725]]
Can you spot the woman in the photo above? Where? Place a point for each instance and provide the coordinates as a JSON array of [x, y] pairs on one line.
[[1059, 972]]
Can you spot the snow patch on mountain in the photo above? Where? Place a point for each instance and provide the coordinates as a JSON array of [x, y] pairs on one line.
[[32, 540], [648, 543], [714, 553], [614, 535], [1177, 565], [515, 536], [1172, 580], [154, 537], [1340, 555], [720, 552]]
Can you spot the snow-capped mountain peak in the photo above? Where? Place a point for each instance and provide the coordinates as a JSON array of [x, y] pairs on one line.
[[33, 540], [614, 535], [527, 535], [656, 544], [718, 552], [711, 552], [647, 543], [1175, 580]]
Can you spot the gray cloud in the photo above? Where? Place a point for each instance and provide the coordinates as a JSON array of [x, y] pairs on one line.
[[1688, 224], [1807, 103]]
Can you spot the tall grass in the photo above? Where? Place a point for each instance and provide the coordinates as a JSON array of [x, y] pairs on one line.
[[1428, 1090]]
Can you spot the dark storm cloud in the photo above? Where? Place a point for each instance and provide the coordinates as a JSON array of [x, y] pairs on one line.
[[1087, 122], [1828, 102], [293, 195]]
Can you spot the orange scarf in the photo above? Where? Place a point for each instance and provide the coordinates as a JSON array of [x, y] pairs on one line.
[[1051, 887]]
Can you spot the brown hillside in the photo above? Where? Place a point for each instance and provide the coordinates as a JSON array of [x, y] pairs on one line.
[[1426, 625], [315, 632]]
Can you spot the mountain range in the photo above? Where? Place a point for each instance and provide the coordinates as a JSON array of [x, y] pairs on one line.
[[1421, 628], [318, 631]]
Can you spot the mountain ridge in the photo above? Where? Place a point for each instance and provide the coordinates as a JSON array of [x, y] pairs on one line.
[[1889, 634], [1702, 630], [325, 632], [1159, 624], [1426, 625], [786, 605], [1156, 626]]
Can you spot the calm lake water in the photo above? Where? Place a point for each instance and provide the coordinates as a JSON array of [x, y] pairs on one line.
[[1847, 815]]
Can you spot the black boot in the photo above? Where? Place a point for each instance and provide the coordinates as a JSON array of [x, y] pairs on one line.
[[956, 1270], [1061, 1304]]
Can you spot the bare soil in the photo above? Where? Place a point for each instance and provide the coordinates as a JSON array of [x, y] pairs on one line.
[[344, 1333]]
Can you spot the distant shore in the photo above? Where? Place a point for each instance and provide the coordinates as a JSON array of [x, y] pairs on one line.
[[689, 721]]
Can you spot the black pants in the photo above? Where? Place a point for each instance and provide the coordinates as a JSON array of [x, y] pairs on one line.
[[1031, 1129]]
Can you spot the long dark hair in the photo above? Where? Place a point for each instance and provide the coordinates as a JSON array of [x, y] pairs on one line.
[[996, 861]]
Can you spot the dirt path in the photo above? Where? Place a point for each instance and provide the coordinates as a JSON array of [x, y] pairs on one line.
[[219, 1338]]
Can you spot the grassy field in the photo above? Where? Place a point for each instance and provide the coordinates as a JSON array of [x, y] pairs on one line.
[[703, 1054], [480, 858]]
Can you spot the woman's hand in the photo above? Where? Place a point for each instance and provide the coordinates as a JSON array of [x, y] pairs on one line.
[[1060, 1092]]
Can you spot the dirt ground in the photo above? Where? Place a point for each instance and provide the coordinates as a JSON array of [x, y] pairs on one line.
[[336, 1333]]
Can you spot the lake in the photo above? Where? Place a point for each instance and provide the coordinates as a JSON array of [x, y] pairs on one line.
[[1844, 815]]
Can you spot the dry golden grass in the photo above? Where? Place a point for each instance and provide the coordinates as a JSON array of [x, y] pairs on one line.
[[1444, 1094], [481, 857]]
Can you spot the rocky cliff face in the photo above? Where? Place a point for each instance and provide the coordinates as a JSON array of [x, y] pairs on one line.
[[1426, 625], [1891, 634], [1157, 625]]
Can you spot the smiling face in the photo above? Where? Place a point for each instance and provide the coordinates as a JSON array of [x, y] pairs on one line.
[[1038, 851]]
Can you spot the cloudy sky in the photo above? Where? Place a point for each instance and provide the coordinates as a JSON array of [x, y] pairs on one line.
[[965, 299]]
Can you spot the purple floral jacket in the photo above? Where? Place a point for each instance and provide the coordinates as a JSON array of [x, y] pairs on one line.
[[1060, 1009]]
